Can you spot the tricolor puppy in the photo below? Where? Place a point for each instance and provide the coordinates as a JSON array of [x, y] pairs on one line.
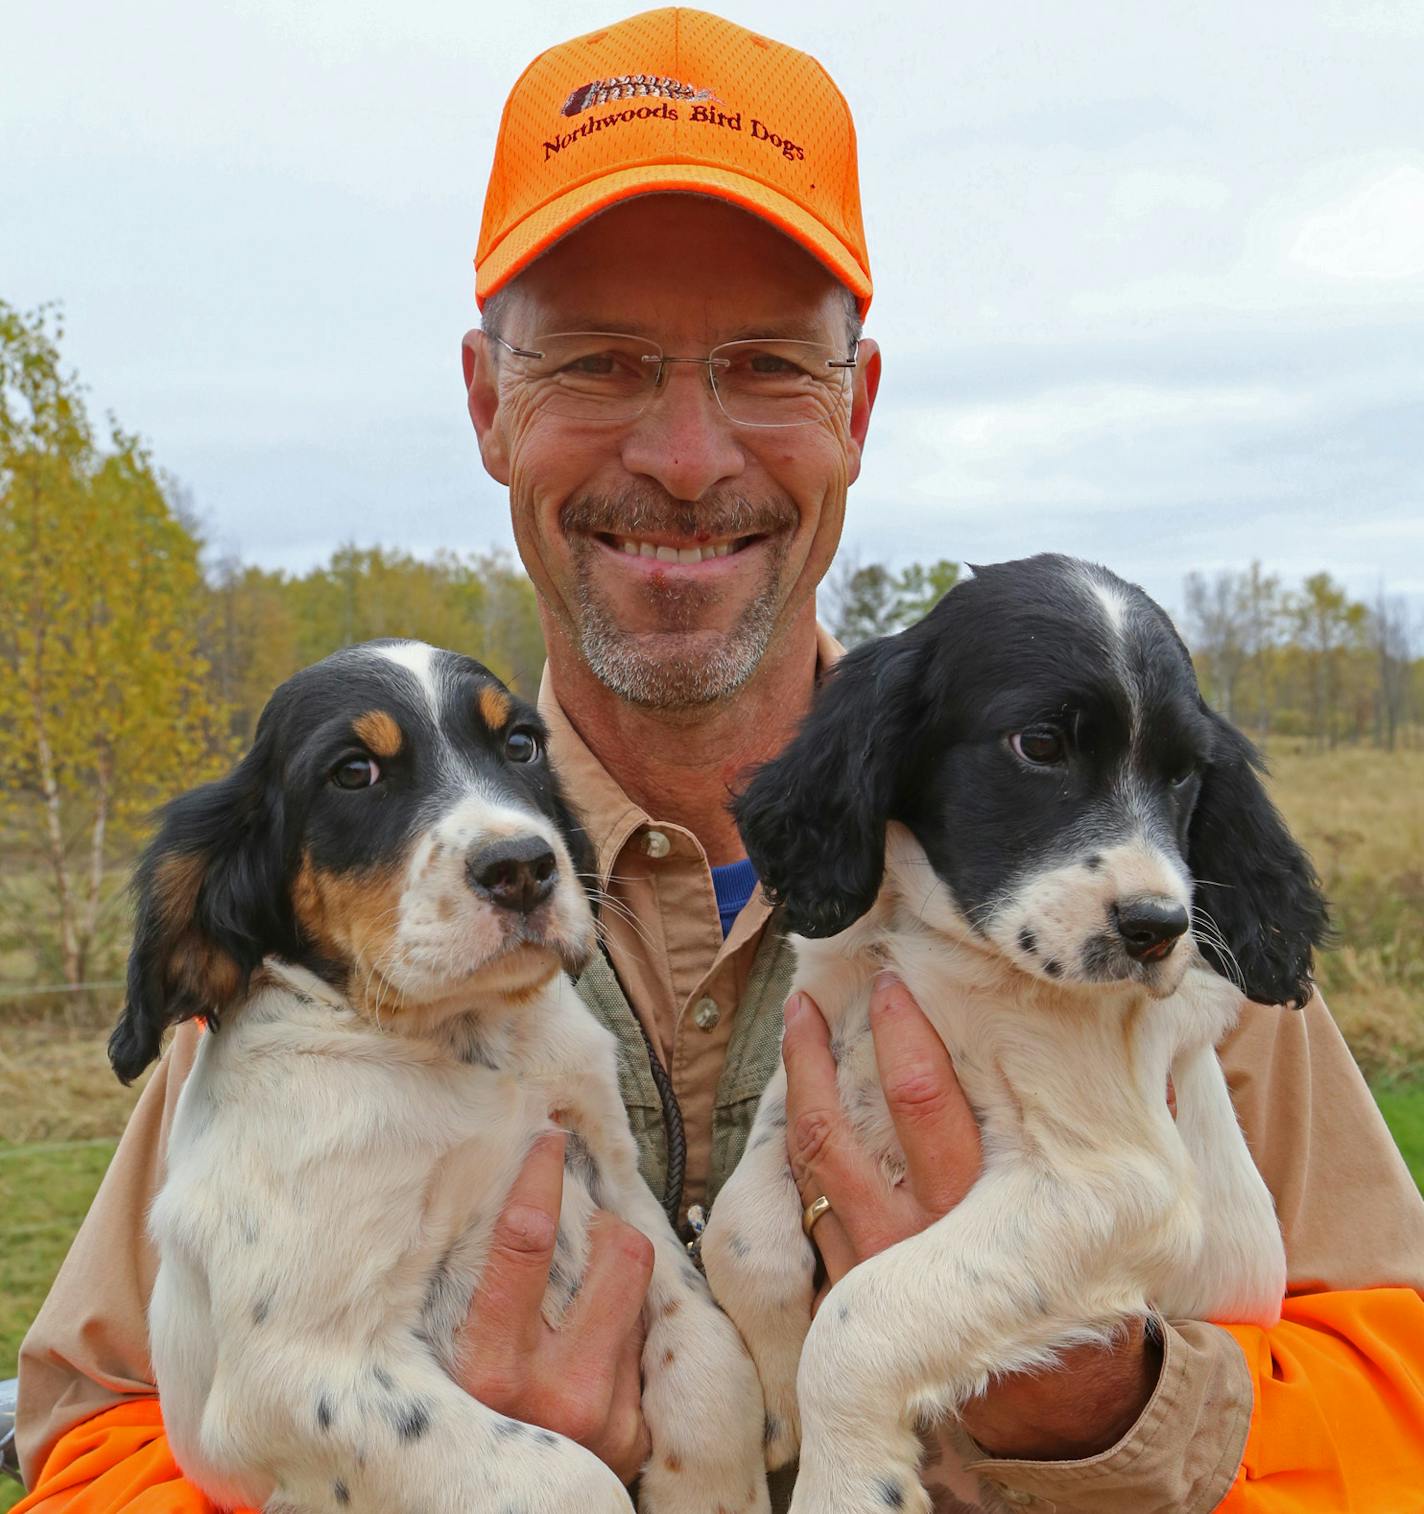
[[1024, 808], [375, 913]]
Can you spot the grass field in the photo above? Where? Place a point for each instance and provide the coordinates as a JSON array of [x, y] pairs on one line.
[[1361, 813]]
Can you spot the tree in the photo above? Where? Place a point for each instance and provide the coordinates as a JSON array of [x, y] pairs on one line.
[[1261, 629], [1390, 634], [103, 708], [1232, 623], [1215, 628], [1327, 623], [920, 589], [864, 602]]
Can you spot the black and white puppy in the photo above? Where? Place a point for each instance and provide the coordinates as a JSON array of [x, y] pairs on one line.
[[1023, 807], [375, 913]]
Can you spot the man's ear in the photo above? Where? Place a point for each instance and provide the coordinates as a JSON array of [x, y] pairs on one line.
[[864, 388], [1254, 881], [482, 400], [211, 894], [813, 819]]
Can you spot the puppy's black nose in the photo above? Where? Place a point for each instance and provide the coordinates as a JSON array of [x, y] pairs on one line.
[[518, 874], [1149, 926]]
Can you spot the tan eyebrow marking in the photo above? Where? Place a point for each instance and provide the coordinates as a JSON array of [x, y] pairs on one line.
[[379, 732], [495, 706]]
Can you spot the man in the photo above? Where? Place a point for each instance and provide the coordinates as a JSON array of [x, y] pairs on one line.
[[687, 186]]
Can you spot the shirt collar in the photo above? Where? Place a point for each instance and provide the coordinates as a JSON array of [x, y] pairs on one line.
[[609, 816]]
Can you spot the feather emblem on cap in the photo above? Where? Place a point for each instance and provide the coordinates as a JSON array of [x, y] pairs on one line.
[[630, 87]]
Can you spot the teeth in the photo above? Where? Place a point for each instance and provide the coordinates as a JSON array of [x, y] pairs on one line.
[[631, 548]]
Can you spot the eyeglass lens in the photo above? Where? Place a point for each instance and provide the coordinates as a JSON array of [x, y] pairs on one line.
[[604, 376]]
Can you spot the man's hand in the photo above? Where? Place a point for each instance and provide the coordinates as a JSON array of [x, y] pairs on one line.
[[1096, 1393], [583, 1380]]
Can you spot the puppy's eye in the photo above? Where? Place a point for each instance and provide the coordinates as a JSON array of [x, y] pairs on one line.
[[521, 745], [356, 773], [1040, 745], [1182, 779]]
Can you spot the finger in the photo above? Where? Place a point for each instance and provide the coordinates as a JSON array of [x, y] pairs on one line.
[[504, 1314], [626, 1443], [825, 1158], [937, 1129], [829, 1237], [609, 1306]]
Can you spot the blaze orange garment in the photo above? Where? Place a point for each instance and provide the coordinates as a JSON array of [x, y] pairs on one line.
[[119, 1460], [1316, 1445], [1317, 1442]]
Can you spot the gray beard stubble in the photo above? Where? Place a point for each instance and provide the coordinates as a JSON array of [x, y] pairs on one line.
[[659, 676]]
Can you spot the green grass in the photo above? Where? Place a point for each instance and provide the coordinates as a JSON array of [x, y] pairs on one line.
[[1403, 1108], [45, 1191]]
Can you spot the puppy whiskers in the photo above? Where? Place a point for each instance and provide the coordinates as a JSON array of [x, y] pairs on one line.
[[1209, 931]]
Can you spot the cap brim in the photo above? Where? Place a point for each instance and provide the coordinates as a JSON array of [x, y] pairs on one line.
[[538, 232]]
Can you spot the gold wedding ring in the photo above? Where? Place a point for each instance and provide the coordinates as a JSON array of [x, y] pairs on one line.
[[813, 1212]]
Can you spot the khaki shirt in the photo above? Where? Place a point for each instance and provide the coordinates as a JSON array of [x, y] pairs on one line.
[[1351, 1215]]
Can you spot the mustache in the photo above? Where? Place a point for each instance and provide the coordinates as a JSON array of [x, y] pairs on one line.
[[636, 511]]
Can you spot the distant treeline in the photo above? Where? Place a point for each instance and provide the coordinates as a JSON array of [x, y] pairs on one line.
[[258, 627]]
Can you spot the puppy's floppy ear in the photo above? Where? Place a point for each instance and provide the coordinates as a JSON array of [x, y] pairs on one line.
[[813, 818], [581, 852], [1253, 878], [211, 897]]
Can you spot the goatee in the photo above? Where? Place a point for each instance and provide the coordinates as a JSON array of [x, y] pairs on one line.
[[677, 666]]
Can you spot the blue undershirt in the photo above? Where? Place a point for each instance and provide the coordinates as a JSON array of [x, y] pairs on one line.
[[734, 884]]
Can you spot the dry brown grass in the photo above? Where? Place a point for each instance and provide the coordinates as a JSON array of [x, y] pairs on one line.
[[1361, 814], [56, 1085]]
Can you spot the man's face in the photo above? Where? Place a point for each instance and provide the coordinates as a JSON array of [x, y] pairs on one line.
[[688, 273]]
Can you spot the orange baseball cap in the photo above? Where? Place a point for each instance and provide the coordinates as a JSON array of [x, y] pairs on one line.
[[673, 100]]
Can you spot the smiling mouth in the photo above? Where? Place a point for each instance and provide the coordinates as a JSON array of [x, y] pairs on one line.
[[676, 552]]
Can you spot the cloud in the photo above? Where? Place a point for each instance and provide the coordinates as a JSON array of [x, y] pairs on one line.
[[1377, 232]]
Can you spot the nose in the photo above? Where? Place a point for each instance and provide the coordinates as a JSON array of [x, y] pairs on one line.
[[517, 874], [1149, 926], [682, 441]]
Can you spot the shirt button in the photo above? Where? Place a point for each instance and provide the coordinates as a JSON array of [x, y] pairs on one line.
[[656, 845], [705, 1014], [1016, 1496]]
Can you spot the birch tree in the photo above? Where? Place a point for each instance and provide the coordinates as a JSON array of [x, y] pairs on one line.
[[103, 708]]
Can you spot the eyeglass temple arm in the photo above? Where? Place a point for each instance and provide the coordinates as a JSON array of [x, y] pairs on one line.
[[510, 347]]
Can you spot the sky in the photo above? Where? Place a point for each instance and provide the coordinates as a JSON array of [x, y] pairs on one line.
[[1149, 278]]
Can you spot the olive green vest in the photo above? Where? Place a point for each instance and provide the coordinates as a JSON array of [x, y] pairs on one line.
[[752, 1056]]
